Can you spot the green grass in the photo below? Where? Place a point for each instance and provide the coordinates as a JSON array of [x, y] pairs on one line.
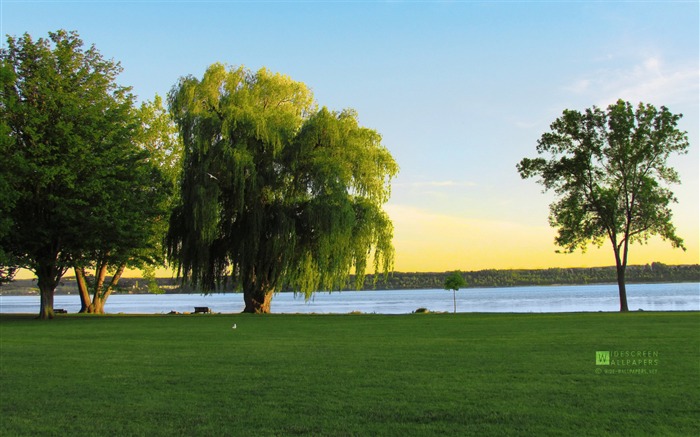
[[422, 374]]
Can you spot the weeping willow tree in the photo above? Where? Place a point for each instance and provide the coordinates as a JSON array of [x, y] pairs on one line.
[[275, 192]]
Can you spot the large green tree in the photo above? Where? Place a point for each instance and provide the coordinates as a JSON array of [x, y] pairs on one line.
[[137, 218], [73, 164], [610, 172], [274, 192]]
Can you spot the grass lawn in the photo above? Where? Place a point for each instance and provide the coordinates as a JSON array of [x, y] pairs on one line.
[[422, 374]]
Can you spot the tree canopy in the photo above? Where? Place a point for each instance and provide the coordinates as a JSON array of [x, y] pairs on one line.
[[454, 281], [84, 191], [274, 192], [609, 170], [138, 222]]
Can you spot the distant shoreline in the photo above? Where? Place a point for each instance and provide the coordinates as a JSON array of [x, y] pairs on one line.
[[650, 273]]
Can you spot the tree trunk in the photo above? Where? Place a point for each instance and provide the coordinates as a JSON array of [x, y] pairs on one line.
[[454, 299], [80, 279], [621, 287], [96, 305], [101, 294], [48, 275], [257, 302], [100, 274], [621, 267], [46, 292]]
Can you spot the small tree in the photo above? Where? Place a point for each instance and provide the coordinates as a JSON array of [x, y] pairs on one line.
[[610, 173], [454, 282]]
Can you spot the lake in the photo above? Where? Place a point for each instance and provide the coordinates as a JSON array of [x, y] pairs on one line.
[[549, 299]]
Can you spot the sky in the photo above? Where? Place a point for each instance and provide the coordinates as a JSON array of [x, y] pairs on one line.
[[459, 90]]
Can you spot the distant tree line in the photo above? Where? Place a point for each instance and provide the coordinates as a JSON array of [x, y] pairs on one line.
[[649, 273]]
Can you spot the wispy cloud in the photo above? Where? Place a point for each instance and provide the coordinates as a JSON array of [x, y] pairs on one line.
[[579, 87], [650, 80]]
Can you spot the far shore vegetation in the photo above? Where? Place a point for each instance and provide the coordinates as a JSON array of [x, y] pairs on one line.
[[650, 273]]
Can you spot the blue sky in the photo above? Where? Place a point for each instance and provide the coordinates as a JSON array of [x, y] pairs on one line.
[[460, 91]]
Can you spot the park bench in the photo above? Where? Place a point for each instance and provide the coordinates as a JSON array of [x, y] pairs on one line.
[[205, 310], [59, 311]]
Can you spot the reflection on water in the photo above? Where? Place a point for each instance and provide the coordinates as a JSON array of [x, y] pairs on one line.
[[585, 298]]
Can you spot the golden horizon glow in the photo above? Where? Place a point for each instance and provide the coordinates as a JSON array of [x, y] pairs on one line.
[[430, 242]]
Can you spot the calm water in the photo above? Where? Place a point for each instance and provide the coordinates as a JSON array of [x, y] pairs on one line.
[[649, 297]]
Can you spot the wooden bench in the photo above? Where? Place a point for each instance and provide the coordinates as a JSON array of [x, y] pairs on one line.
[[59, 311], [204, 310]]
